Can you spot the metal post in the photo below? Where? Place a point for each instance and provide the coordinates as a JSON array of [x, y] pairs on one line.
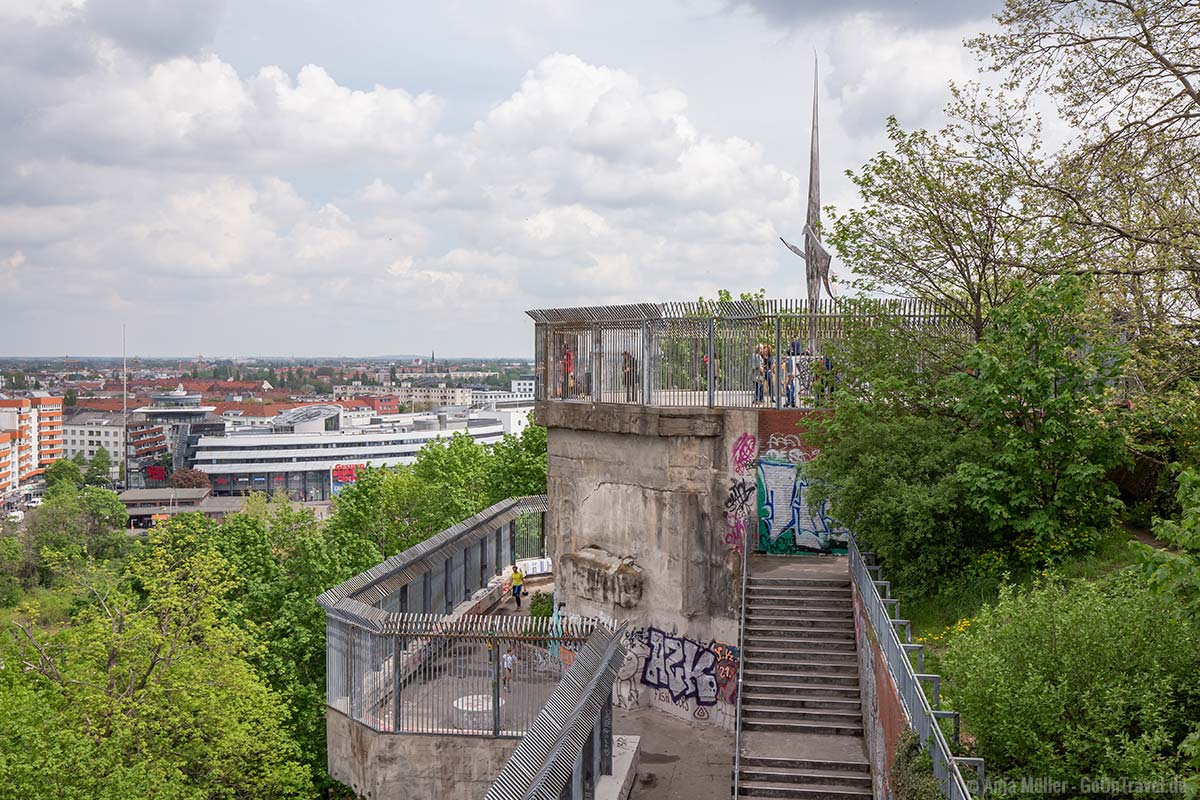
[[595, 752], [396, 684], [606, 738], [597, 360], [778, 361], [577, 777], [712, 370], [495, 651], [647, 400]]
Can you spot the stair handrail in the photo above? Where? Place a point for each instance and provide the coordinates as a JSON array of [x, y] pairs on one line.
[[737, 725], [908, 684]]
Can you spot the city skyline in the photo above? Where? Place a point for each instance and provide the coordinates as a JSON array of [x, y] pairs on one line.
[[234, 179]]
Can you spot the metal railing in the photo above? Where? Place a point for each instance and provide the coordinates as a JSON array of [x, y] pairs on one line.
[[739, 354], [474, 675], [407, 652], [922, 716], [570, 744], [737, 725]]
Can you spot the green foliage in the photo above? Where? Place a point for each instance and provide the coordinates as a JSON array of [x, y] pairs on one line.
[[939, 470], [147, 693], [99, 470], [64, 470], [1034, 395], [541, 605], [87, 520], [1086, 681], [1177, 574], [912, 775]]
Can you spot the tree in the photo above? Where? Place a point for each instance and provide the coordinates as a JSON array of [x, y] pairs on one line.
[[99, 471], [64, 471], [937, 222], [80, 459], [189, 478], [1125, 74], [69, 397], [128, 688], [1177, 573], [518, 465], [1004, 462]]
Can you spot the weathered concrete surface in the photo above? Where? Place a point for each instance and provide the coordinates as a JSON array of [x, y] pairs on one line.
[[626, 750], [398, 767], [647, 485], [678, 760], [601, 577]]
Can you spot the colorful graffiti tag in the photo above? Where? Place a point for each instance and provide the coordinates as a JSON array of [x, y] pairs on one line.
[[683, 667], [681, 676], [787, 523], [740, 500]]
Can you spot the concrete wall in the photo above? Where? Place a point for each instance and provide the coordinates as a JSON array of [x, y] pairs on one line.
[[883, 713], [411, 767], [636, 522]]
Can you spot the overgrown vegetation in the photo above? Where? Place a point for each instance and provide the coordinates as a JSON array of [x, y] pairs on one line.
[[191, 664], [912, 775]]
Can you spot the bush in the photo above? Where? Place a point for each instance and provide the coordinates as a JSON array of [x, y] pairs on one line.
[[912, 771], [1095, 680], [541, 604]]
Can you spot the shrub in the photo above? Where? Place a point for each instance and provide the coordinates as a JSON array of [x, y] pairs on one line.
[[912, 771], [541, 604], [1094, 680]]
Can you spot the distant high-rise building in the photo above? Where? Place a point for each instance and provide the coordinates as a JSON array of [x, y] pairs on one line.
[[32, 439]]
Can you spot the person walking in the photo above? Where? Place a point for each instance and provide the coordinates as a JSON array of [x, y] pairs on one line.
[[507, 663], [518, 583], [768, 371]]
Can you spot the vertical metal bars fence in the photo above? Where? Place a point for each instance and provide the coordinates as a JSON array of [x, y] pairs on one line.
[[569, 746], [922, 717], [738, 354], [475, 675]]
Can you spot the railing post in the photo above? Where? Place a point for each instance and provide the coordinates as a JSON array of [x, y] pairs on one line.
[[647, 400], [597, 359], [778, 361], [606, 738], [396, 650], [711, 360], [495, 688]]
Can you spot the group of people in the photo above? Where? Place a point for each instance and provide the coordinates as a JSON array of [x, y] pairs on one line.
[[795, 374]]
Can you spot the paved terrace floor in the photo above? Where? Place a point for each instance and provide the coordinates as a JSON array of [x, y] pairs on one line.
[[678, 761]]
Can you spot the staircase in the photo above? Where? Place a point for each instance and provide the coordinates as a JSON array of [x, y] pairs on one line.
[[801, 712]]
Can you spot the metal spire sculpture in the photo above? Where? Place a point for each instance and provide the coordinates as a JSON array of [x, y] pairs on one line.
[[816, 256]]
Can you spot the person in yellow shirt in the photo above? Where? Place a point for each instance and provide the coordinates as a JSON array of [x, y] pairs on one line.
[[518, 583]]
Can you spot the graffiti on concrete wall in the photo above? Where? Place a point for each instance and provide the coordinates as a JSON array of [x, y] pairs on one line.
[[787, 522], [784, 447], [684, 677], [740, 500], [682, 666]]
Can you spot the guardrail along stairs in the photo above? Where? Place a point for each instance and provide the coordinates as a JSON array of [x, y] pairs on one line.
[[801, 716]]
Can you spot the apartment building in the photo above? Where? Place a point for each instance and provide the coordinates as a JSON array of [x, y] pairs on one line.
[[36, 436], [87, 431], [409, 394]]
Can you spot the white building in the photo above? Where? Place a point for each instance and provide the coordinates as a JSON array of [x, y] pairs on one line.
[[87, 431], [307, 446], [408, 394], [524, 385]]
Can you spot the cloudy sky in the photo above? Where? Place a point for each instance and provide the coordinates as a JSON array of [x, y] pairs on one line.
[[304, 177]]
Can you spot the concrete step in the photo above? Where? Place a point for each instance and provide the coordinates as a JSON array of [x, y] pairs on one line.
[[799, 583], [787, 676], [775, 763], [774, 642], [846, 780], [756, 586], [808, 664], [812, 728], [753, 604], [766, 697], [799, 689], [835, 616], [802, 624], [829, 716], [770, 595], [799, 791], [811, 653]]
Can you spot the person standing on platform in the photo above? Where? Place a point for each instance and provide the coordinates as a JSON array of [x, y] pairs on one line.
[[518, 583]]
